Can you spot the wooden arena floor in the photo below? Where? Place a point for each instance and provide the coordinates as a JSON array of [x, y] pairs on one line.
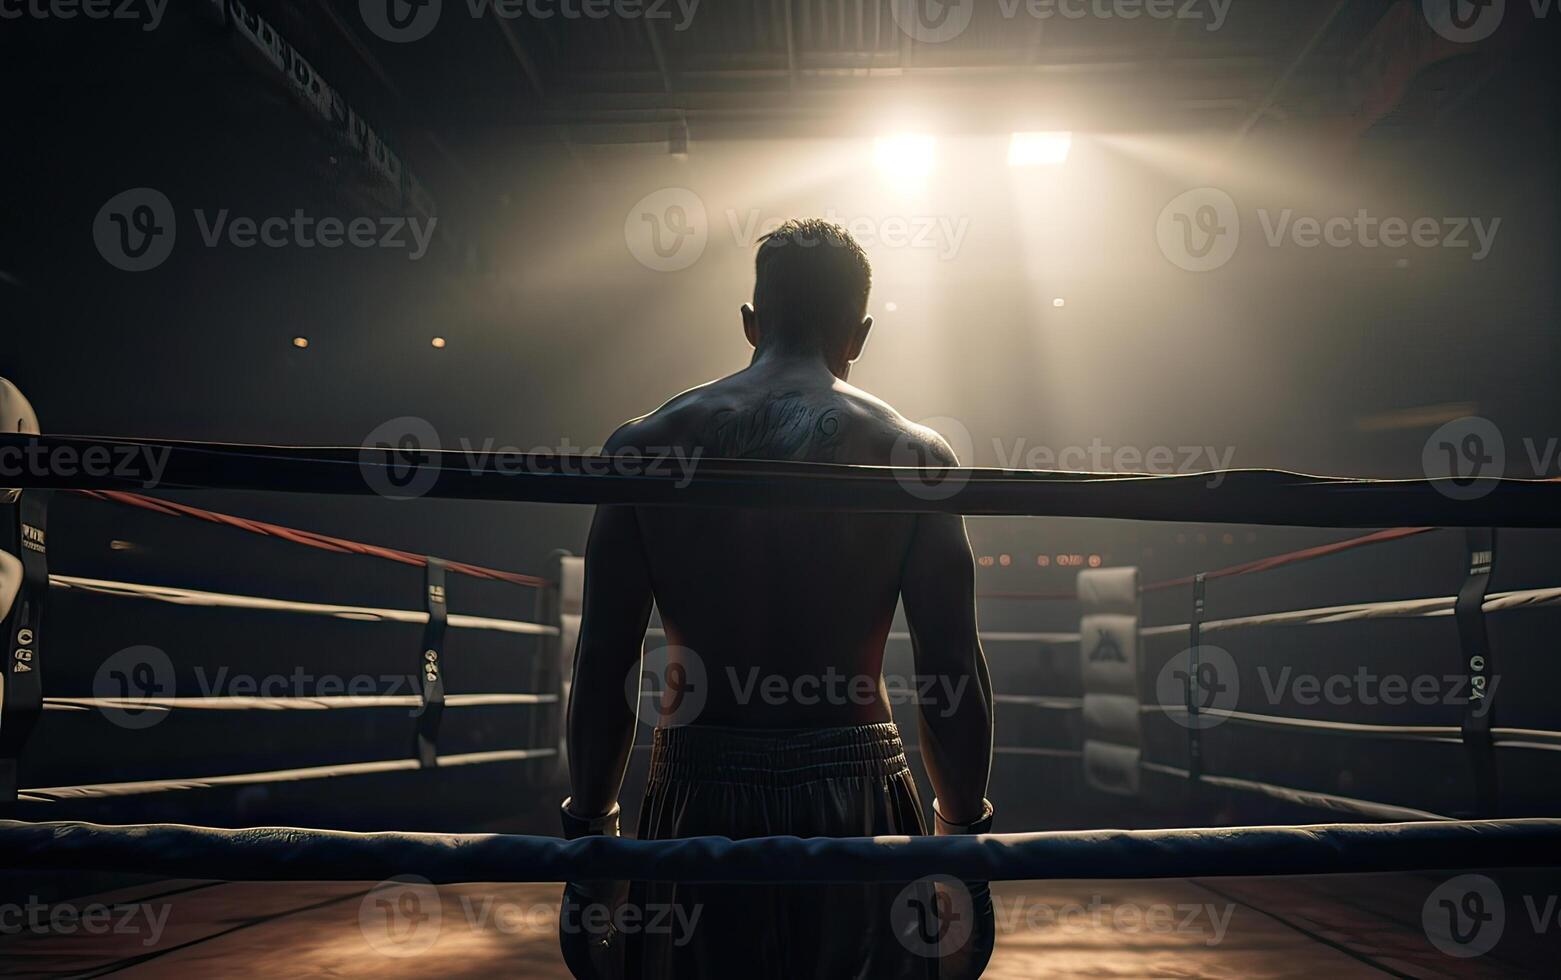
[[1230, 928]]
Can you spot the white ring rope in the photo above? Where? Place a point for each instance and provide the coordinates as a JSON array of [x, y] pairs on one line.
[[141, 787], [1401, 609], [193, 597], [997, 637], [328, 702]]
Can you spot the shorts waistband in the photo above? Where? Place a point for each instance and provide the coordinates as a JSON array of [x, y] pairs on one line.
[[776, 757]]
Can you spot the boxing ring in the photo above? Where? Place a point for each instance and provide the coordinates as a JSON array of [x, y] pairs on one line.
[[1411, 893]]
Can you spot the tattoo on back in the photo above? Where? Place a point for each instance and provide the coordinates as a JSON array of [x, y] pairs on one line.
[[783, 426]]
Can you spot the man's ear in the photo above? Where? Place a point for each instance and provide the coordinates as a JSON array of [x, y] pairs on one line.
[[859, 339], [751, 325]]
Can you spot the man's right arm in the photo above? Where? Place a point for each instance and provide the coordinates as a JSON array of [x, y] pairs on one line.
[[938, 590]]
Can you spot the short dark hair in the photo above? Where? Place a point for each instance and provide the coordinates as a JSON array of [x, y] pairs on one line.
[[811, 280]]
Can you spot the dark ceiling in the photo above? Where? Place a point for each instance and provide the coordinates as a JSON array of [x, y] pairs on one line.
[[803, 68]]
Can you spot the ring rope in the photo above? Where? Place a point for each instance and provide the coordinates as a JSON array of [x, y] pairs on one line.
[[194, 597], [310, 539], [1314, 799], [1237, 497], [1244, 568], [50, 794], [1396, 609], [293, 854], [986, 637], [325, 702]]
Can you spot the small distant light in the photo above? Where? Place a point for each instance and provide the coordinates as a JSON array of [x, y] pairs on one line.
[[1038, 149], [1227, 539], [300, 342], [891, 306], [1094, 561], [118, 545], [1043, 561], [985, 561], [438, 342], [1059, 302], [1005, 560]]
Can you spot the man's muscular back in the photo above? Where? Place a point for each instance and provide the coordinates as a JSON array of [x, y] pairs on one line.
[[801, 600], [767, 594]]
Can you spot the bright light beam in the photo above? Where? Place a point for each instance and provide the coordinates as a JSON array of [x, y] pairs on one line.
[[905, 159], [1039, 149]]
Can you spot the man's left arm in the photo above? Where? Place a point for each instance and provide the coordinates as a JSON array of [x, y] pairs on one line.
[[614, 615]]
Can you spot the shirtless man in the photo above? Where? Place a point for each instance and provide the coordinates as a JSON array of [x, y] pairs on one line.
[[802, 596]]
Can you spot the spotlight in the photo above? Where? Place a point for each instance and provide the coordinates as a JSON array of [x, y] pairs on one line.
[[905, 158], [1038, 149], [438, 343], [1059, 302], [300, 342]]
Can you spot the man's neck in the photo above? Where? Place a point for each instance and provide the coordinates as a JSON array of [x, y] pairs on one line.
[[799, 362]]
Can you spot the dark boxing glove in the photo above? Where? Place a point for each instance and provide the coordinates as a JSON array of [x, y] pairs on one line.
[[592, 946], [970, 960]]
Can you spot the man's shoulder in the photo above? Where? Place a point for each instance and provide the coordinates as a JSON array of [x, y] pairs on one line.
[[745, 417], [894, 437], [671, 424]]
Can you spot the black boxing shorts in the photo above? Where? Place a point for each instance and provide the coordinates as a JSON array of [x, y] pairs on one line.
[[743, 782]]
